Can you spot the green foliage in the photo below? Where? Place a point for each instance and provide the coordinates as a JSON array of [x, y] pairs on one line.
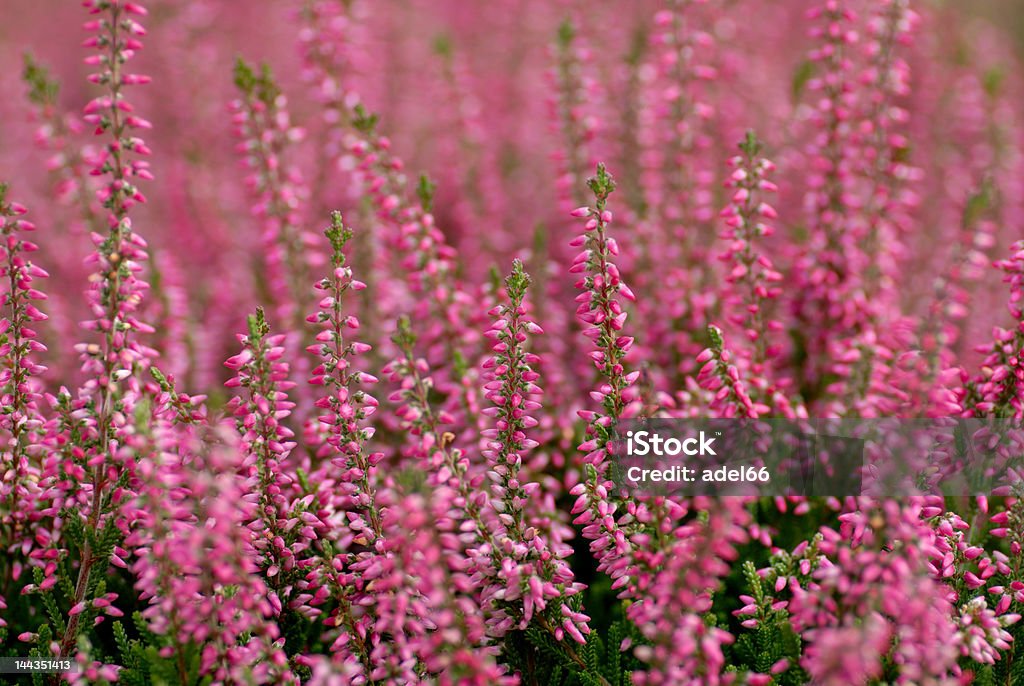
[[803, 73], [42, 87], [773, 638], [161, 379], [53, 612], [404, 337], [157, 662], [602, 184], [258, 327], [566, 34], [338, 235], [715, 336], [599, 662], [443, 46], [460, 365], [993, 81], [425, 190], [517, 282], [364, 121], [494, 278], [41, 650], [978, 205], [256, 83], [751, 146]]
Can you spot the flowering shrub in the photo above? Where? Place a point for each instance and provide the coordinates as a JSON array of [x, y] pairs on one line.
[[383, 453]]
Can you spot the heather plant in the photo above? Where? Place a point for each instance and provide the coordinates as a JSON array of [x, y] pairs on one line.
[[236, 450]]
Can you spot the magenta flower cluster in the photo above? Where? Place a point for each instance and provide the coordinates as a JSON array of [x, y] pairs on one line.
[[236, 449]]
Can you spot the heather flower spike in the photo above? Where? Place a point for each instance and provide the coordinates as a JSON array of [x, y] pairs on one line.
[[265, 131], [345, 561], [190, 546], [573, 92], [720, 377], [115, 295], [22, 420], [996, 391], [746, 221], [55, 134], [602, 313], [542, 581], [347, 404]]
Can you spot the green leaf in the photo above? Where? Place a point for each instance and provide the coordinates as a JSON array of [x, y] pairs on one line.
[[601, 184], [801, 75], [43, 88], [425, 191]]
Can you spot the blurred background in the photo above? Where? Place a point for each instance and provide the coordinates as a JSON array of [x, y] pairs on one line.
[[465, 91], [1007, 14]]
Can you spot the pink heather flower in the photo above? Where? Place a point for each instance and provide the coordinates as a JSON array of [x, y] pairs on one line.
[[865, 593], [675, 116], [830, 660], [602, 313], [116, 290], [468, 166], [346, 404], [349, 480], [173, 405], [673, 587], [678, 108], [830, 302], [996, 567], [190, 545], [754, 279], [425, 262], [427, 542], [380, 176], [469, 522], [420, 605], [889, 202], [956, 561], [55, 134], [982, 633], [332, 43], [528, 576], [262, 124], [879, 206], [601, 309], [167, 307], [670, 583], [262, 375], [573, 102], [21, 422], [419, 268], [91, 671], [432, 444], [940, 328], [267, 137], [721, 378], [998, 390], [477, 546]]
